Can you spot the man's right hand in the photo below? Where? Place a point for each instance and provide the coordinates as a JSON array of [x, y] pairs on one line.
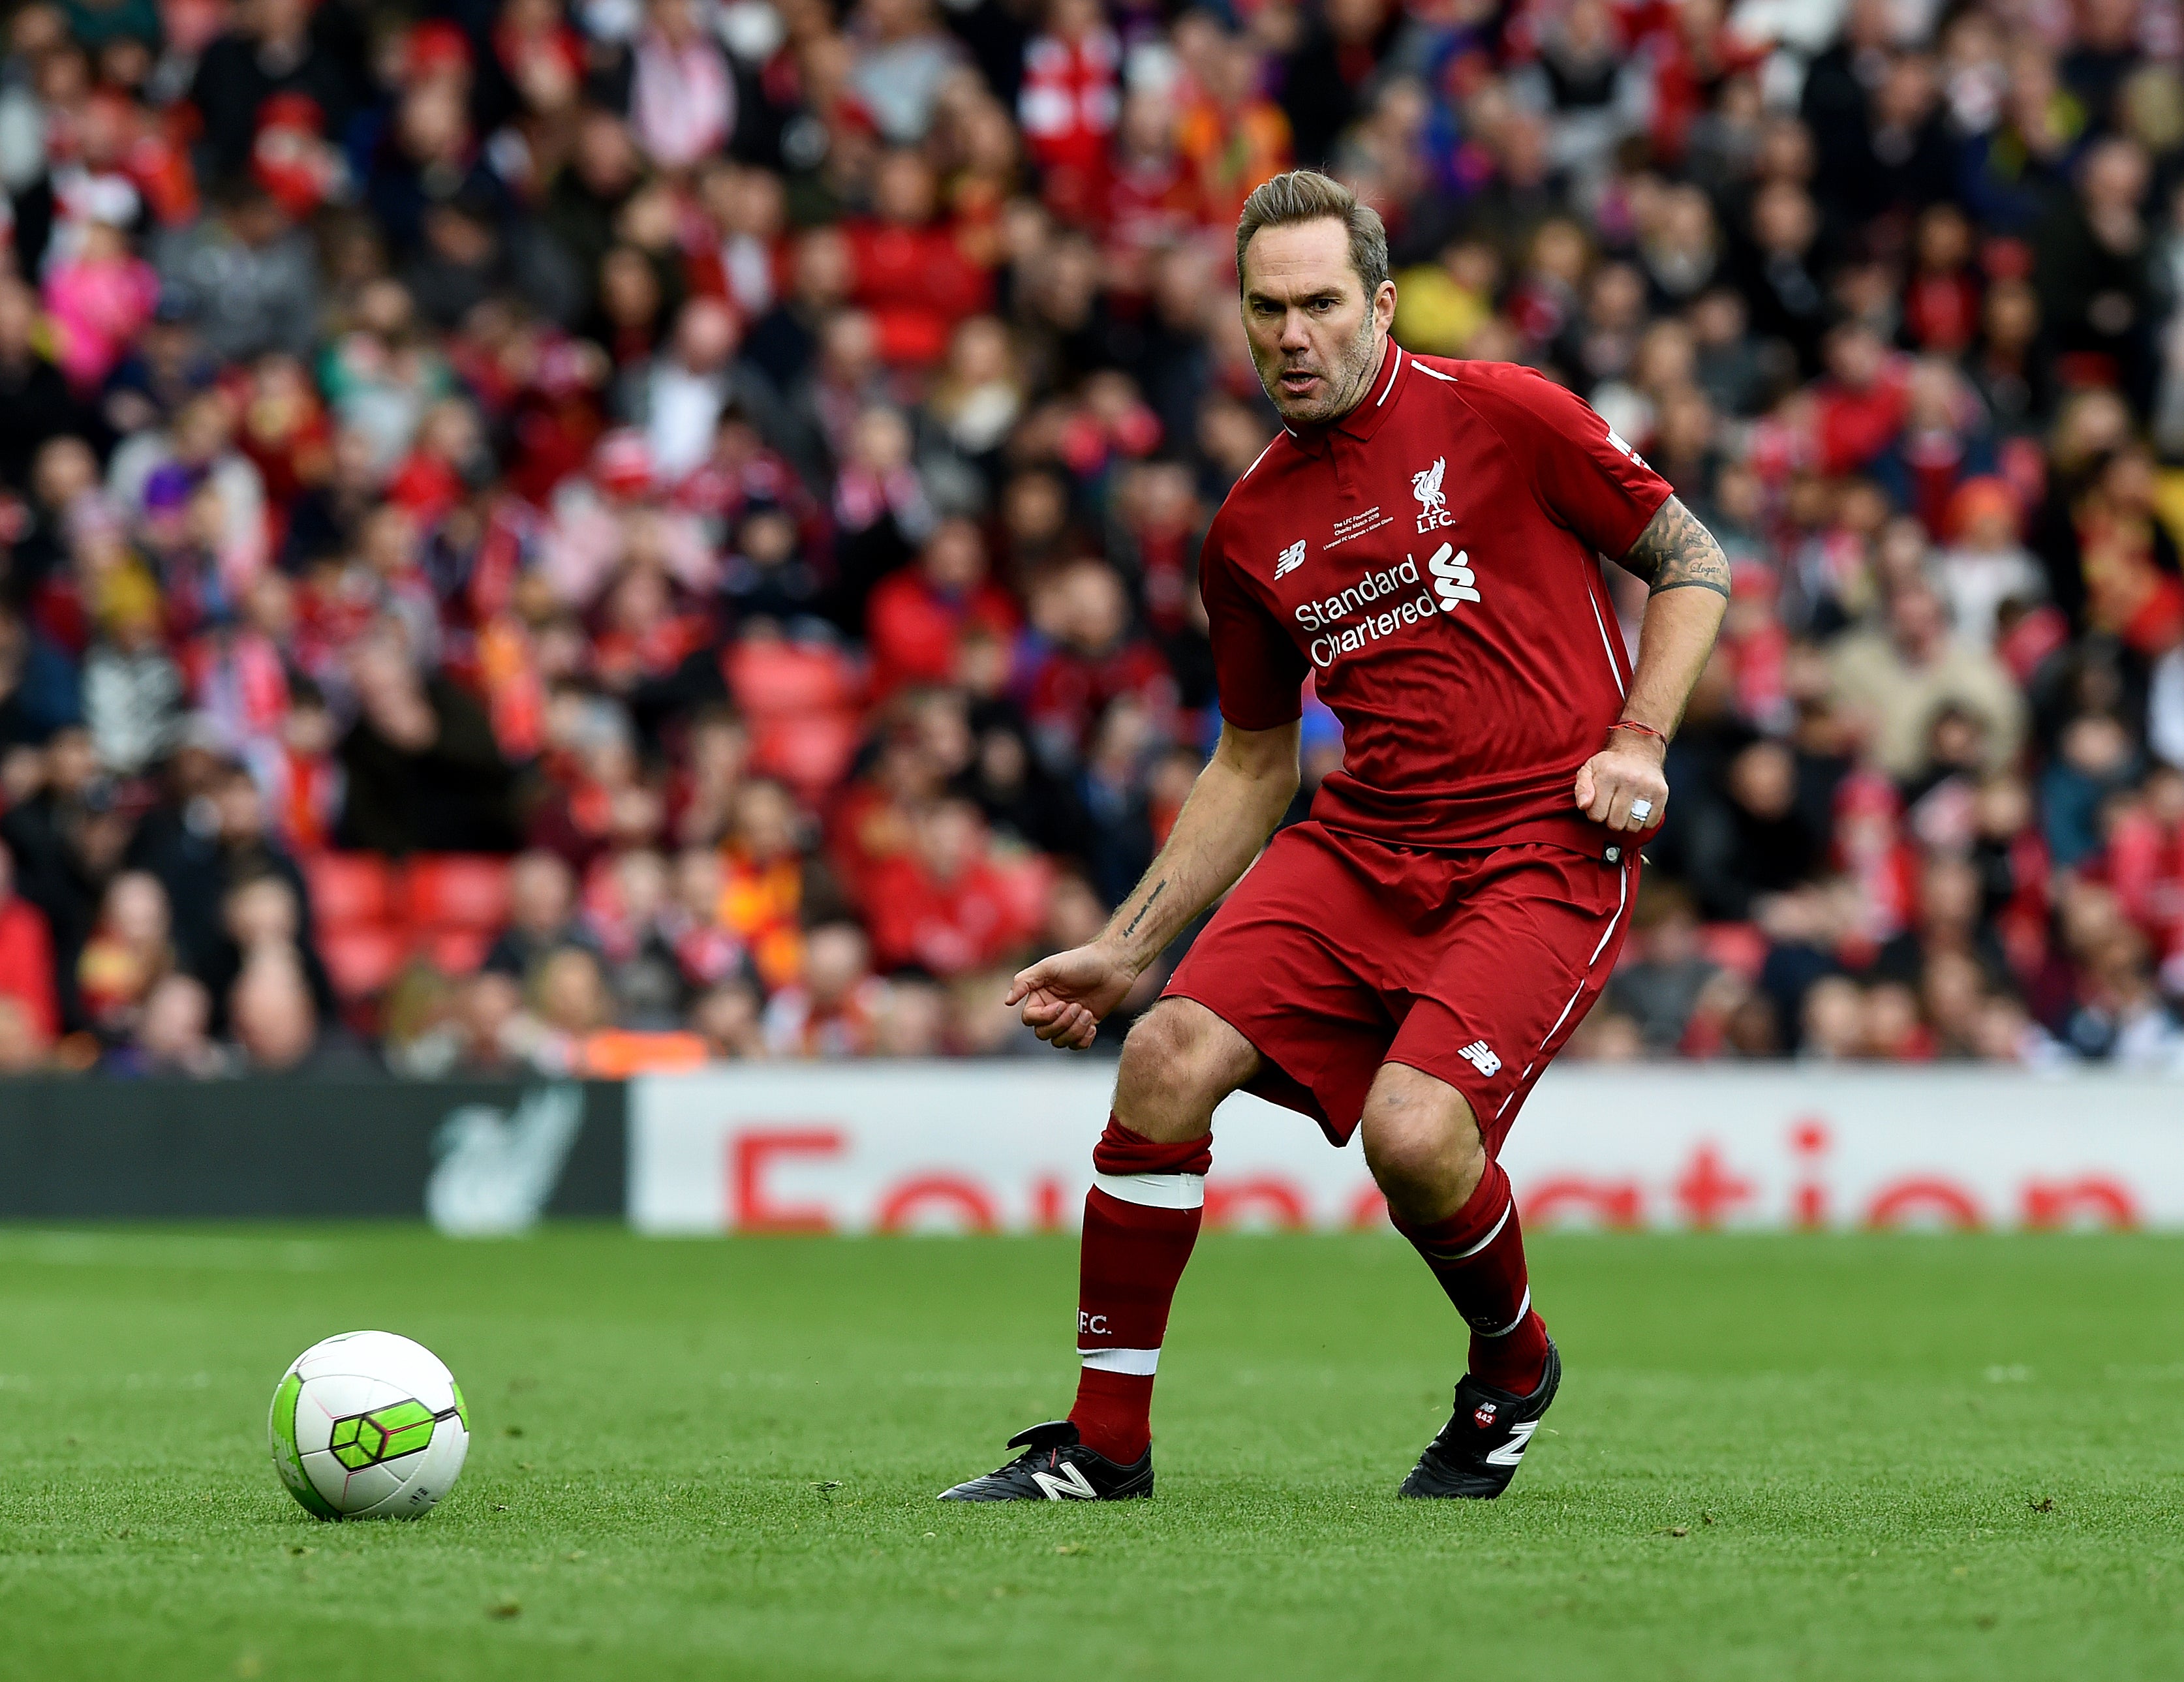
[[1064, 996]]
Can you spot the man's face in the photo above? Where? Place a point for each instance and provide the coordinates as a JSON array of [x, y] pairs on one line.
[[1315, 336]]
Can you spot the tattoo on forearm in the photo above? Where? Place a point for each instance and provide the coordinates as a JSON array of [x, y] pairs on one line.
[[1675, 552], [1159, 888]]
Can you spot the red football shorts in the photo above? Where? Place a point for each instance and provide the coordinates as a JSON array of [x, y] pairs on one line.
[[1336, 953]]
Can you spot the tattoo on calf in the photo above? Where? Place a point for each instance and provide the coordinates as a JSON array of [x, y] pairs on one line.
[[1675, 552]]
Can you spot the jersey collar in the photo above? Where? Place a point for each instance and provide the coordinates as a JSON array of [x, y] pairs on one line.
[[1362, 422]]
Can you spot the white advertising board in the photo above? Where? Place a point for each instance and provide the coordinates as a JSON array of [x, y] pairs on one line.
[[1005, 1147]]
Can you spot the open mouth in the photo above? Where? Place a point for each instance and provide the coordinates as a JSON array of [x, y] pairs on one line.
[[1299, 381]]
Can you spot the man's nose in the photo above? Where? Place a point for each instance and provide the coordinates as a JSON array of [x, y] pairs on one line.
[[1294, 334]]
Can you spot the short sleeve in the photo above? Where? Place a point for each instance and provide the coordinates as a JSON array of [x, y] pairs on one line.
[[1258, 670], [1588, 477]]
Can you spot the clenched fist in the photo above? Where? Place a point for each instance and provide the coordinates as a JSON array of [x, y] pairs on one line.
[[1618, 775]]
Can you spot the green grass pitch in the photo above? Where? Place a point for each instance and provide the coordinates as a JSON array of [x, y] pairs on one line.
[[1773, 1457]]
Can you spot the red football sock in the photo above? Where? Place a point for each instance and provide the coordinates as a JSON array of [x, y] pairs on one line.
[[1140, 1220], [1478, 1255]]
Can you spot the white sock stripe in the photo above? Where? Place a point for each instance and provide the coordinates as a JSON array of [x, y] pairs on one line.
[[1141, 1364], [1523, 1309], [1156, 1191], [1493, 1233]]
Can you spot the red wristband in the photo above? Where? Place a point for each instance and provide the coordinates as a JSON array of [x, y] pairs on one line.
[[1632, 724]]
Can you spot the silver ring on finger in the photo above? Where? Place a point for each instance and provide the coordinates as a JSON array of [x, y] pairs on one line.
[[1640, 811]]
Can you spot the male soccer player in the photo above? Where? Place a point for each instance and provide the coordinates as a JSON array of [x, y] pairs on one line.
[[1422, 539]]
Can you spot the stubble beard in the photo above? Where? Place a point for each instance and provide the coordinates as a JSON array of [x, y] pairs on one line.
[[1346, 383]]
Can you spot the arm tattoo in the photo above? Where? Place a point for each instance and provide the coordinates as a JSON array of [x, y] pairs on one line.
[[1159, 888], [1675, 551]]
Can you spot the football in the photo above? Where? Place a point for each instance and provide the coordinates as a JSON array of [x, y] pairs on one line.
[[368, 1425]]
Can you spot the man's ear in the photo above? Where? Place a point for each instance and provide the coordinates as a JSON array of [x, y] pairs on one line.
[[1383, 305]]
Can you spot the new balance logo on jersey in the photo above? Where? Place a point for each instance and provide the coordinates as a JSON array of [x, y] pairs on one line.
[[1509, 1453], [1453, 579], [1480, 1058], [1069, 1483], [1290, 559], [1433, 503]]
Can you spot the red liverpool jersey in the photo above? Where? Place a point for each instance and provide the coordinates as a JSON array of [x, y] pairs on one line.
[[1432, 559]]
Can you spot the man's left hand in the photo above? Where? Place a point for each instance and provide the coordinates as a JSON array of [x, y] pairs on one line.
[[1617, 776]]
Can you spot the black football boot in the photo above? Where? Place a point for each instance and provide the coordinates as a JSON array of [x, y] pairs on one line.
[[1057, 1466], [1479, 1448]]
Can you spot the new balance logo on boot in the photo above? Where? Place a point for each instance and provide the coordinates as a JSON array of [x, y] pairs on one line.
[[1481, 1448], [1057, 1466]]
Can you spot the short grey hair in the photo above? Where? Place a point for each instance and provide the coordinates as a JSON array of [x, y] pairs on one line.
[[1307, 196]]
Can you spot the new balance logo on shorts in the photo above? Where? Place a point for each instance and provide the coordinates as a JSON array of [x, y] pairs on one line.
[[1480, 1058], [1290, 559]]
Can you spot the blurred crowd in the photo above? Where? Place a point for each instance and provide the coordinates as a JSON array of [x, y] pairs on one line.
[[585, 535]]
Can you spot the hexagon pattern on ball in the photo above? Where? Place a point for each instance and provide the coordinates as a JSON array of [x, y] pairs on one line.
[[368, 1425]]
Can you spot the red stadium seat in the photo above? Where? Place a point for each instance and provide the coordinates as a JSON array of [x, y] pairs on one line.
[[456, 891], [363, 959], [348, 888], [811, 752], [770, 678], [455, 951], [1736, 946]]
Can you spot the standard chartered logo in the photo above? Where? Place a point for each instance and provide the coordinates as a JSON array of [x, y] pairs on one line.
[[1453, 581], [1380, 604]]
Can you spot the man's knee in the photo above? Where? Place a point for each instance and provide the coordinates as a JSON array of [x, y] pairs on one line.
[[1180, 1061], [1422, 1143]]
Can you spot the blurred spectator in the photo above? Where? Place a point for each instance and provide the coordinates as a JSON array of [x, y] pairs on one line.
[[917, 617], [21, 1052], [1834, 1021], [129, 950], [1985, 565], [568, 996], [275, 1026], [728, 1018], [1082, 656], [247, 277], [1659, 991], [422, 769], [1752, 840], [942, 905], [542, 899], [36, 402], [835, 1011], [133, 693], [757, 456], [174, 1038], [1894, 680], [26, 958], [37, 684]]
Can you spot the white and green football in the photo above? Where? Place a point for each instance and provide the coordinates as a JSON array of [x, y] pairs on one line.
[[368, 1425]]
